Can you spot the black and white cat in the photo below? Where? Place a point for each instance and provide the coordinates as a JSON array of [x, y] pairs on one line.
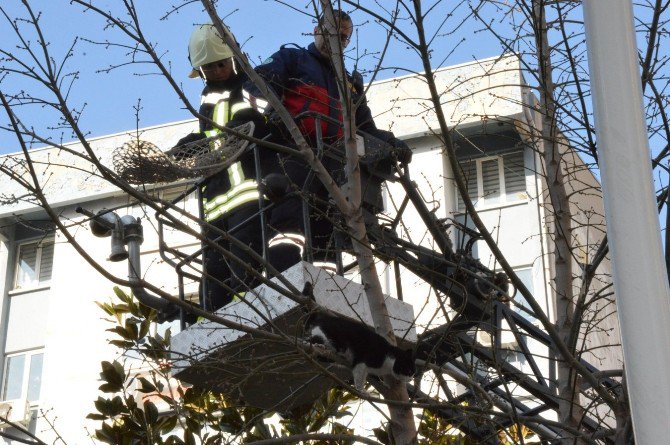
[[366, 351]]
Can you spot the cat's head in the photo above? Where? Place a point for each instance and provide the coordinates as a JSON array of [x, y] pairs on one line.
[[404, 367]]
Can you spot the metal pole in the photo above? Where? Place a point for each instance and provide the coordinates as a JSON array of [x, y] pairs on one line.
[[633, 229], [261, 207], [667, 224]]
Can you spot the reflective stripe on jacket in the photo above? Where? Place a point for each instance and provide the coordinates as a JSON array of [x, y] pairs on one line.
[[241, 192], [225, 191]]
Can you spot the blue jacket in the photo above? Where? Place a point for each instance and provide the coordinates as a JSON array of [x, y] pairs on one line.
[[305, 80]]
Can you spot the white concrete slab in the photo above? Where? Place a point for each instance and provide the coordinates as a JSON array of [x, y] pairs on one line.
[[267, 374]]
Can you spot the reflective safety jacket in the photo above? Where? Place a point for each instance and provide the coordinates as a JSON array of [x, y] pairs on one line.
[[306, 81], [227, 104]]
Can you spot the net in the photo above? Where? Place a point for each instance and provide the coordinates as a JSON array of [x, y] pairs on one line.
[[141, 162]]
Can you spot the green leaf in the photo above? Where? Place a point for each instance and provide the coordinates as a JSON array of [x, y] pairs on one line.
[[113, 373], [146, 386], [231, 421], [110, 388], [109, 408], [342, 413], [144, 328], [131, 403], [122, 308], [123, 344], [101, 405], [192, 425], [168, 424], [156, 343], [121, 295], [107, 434], [382, 436], [338, 428], [108, 308], [117, 405], [174, 440], [189, 437], [151, 413], [122, 332], [170, 440], [131, 329]]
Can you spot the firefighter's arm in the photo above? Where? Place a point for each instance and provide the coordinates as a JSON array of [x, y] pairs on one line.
[[248, 114], [364, 121]]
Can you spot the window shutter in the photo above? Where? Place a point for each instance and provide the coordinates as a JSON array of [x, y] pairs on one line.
[[488, 178], [31, 272], [515, 175], [491, 180], [469, 169], [46, 261]]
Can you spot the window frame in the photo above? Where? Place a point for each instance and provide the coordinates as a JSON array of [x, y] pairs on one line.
[[25, 380], [481, 202], [35, 284]]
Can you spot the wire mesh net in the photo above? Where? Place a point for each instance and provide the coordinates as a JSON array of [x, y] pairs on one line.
[[141, 162]]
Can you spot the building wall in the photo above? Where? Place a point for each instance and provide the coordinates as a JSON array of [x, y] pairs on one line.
[[76, 337], [64, 321]]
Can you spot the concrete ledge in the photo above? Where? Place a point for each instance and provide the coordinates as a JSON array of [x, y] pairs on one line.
[[274, 375]]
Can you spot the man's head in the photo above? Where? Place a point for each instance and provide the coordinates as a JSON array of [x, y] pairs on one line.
[[210, 57], [343, 25]]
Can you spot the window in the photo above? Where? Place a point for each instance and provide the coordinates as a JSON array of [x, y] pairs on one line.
[[23, 376], [34, 261], [526, 276], [494, 180], [514, 357]]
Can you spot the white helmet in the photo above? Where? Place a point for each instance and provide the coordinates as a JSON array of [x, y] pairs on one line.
[[206, 46]]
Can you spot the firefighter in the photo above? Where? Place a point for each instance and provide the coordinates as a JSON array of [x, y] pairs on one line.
[[305, 80], [231, 196]]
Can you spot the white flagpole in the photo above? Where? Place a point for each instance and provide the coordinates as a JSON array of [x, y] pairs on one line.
[[633, 230]]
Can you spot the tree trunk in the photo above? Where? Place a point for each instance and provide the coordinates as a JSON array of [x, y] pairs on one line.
[[402, 428], [568, 390]]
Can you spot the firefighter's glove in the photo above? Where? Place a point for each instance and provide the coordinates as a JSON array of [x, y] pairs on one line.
[[401, 152], [357, 82], [275, 186]]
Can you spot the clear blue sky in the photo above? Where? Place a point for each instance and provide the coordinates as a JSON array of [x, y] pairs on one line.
[[260, 26]]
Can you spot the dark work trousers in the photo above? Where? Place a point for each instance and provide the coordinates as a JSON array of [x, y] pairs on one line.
[[287, 218], [232, 273]]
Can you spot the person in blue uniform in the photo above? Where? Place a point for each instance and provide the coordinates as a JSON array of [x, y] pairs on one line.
[[305, 80]]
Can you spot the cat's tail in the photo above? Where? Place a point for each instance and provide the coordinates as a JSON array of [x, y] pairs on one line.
[[308, 312], [308, 291]]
